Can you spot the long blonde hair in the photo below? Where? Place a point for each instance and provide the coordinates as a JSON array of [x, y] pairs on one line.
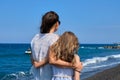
[[66, 47]]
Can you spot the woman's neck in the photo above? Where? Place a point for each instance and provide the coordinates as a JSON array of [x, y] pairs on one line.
[[52, 31], [54, 28]]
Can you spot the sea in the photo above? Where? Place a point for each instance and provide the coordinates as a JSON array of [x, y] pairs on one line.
[[16, 65]]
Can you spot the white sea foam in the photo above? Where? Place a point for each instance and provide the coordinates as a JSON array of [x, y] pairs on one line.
[[116, 56], [18, 76], [95, 60], [100, 47], [92, 47], [21, 73], [82, 47]]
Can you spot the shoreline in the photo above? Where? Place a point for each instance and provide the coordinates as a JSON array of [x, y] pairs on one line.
[[108, 74]]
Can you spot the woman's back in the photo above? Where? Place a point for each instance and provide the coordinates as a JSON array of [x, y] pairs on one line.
[[40, 45]]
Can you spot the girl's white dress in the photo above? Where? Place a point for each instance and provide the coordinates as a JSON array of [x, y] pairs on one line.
[[62, 73], [40, 45]]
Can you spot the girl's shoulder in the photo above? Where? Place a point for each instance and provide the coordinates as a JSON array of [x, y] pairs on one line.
[[77, 57]]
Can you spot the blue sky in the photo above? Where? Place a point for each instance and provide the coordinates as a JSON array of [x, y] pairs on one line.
[[93, 21]]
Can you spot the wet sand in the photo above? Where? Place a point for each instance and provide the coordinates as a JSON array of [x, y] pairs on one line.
[[108, 74]]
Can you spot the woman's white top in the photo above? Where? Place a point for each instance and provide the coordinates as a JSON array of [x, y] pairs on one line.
[[40, 45]]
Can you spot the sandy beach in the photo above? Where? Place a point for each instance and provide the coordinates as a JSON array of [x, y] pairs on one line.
[[109, 74]]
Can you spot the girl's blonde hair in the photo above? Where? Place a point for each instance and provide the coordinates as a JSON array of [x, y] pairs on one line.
[[66, 47]]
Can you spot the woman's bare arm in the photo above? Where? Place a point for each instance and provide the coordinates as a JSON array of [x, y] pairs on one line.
[[38, 64], [58, 62]]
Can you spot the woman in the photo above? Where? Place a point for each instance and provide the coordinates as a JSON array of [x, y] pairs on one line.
[[40, 45]]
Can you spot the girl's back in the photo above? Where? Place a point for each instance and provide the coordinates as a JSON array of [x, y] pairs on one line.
[[60, 73]]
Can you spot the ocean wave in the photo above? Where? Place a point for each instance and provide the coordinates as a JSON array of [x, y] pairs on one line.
[[98, 67], [82, 47], [95, 60], [94, 67], [87, 47], [18, 76]]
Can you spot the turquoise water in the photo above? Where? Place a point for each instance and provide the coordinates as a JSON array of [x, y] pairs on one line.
[[15, 64]]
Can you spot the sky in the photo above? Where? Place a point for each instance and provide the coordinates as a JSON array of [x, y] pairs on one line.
[[92, 21]]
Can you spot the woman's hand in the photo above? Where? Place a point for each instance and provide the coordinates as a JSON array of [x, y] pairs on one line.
[[36, 64], [78, 66]]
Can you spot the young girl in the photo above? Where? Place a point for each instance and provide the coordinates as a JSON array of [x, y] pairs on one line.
[[40, 44], [65, 48]]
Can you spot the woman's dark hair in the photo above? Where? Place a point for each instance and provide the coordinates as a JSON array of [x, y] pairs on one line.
[[48, 20]]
